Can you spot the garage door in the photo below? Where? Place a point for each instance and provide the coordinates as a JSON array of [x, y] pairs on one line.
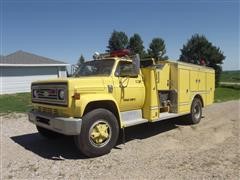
[[18, 79]]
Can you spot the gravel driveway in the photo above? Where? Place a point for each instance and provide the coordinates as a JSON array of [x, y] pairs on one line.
[[168, 149]]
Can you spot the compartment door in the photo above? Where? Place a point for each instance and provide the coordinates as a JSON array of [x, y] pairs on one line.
[[194, 80], [163, 77], [184, 86], [210, 87], [202, 81]]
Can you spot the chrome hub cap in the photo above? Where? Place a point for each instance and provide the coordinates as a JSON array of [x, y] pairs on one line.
[[100, 133]]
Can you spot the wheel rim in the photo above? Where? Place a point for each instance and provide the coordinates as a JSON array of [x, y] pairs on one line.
[[197, 111], [100, 133]]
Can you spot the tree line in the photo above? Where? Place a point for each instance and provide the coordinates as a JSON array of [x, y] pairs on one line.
[[119, 40], [197, 50]]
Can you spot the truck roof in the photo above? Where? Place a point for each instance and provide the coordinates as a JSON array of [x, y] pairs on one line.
[[187, 64]]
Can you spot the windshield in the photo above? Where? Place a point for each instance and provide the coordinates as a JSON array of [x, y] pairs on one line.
[[95, 68]]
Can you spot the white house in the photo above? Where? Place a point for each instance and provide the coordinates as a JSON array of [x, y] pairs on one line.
[[19, 69]]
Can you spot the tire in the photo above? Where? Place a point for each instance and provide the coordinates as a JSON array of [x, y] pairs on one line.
[[99, 133], [47, 133], [196, 111]]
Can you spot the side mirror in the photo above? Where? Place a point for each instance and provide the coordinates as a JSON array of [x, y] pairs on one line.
[[136, 64]]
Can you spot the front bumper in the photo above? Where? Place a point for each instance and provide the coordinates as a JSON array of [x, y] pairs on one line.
[[67, 126]]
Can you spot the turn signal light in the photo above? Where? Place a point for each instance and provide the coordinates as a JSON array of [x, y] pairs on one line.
[[76, 96]]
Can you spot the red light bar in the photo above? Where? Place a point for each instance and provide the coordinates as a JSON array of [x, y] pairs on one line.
[[120, 53]]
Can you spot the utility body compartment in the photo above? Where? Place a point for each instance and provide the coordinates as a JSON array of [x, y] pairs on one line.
[[172, 86]]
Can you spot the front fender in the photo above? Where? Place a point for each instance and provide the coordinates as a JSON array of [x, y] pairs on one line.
[[85, 99]]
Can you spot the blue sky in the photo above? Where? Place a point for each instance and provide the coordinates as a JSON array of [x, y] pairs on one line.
[[64, 29]]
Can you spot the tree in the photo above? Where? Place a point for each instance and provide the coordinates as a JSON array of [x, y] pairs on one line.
[[81, 60], [117, 41], [157, 49], [199, 50], [136, 45]]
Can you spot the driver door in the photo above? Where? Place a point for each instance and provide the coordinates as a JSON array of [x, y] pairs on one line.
[[129, 89]]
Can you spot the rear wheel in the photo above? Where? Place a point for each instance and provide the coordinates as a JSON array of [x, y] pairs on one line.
[[47, 133], [99, 133], [196, 111]]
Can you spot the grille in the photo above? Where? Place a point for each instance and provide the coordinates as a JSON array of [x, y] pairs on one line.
[[49, 94]]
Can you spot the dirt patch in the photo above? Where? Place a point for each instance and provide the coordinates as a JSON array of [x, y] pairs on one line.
[[169, 149]]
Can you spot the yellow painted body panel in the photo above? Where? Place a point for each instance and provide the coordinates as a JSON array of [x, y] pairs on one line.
[[129, 92], [202, 81], [151, 104], [193, 80], [91, 87], [189, 80], [163, 77], [184, 93], [174, 76], [210, 88]]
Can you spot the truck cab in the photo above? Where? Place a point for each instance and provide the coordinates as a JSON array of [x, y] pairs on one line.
[[114, 92]]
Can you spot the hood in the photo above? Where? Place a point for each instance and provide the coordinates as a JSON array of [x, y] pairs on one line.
[[80, 84], [87, 84]]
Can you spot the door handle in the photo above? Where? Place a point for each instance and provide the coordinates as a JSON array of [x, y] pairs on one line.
[[138, 81], [197, 80]]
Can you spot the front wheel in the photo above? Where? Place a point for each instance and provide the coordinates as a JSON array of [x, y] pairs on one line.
[[99, 133], [196, 111]]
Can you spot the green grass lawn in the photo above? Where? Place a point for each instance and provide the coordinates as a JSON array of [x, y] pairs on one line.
[[227, 93], [230, 76], [15, 103]]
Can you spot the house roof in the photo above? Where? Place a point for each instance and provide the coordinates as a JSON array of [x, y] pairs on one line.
[[21, 58]]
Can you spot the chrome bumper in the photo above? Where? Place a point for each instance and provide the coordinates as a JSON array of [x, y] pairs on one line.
[[67, 126]]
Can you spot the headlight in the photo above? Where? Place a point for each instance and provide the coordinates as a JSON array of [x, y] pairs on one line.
[[35, 94], [61, 94]]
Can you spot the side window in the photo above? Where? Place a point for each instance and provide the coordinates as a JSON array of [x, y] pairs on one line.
[[125, 69]]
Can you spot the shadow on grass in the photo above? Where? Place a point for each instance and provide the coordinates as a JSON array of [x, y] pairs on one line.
[[64, 148]]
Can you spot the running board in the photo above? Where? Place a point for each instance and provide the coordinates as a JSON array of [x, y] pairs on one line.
[[166, 115], [132, 118], [134, 122]]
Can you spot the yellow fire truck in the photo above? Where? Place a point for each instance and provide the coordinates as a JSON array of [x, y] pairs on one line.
[[116, 91]]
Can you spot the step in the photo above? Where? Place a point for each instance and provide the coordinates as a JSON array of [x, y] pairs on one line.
[[167, 115], [133, 122], [131, 118]]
